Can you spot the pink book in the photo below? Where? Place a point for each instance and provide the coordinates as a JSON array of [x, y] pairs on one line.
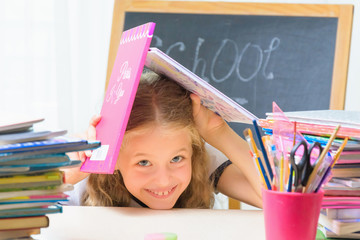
[[119, 98]]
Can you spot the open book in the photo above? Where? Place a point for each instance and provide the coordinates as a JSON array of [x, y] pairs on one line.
[[211, 98]]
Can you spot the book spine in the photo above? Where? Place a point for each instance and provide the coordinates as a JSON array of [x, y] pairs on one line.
[[343, 213], [143, 31]]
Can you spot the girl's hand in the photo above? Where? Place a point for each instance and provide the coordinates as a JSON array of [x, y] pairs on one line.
[[74, 175], [209, 124], [90, 135]]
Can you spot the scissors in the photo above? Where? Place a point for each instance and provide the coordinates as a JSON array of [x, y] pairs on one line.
[[304, 167]]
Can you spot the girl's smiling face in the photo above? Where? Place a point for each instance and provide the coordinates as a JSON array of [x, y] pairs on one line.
[[155, 163]]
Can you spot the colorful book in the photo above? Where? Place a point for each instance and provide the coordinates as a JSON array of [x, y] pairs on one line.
[[69, 146], [338, 189], [322, 130], [30, 211], [19, 234], [350, 182], [29, 136], [25, 205], [24, 222], [36, 168], [40, 191], [40, 145], [349, 119], [350, 155], [330, 235], [119, 98], [17, 124], [336, 201], [339, 226], [342, 213], [342, 192], [37, 159], [35, 198], [341, 171], [9, 183], [211, 98]]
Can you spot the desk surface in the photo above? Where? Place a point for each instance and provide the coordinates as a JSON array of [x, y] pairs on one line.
[[134, 223]]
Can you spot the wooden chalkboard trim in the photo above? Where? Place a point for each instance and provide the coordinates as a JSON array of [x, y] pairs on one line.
[[341, 57], [344, 14]]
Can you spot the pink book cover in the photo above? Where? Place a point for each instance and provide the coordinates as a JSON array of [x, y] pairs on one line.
[[119, 98]]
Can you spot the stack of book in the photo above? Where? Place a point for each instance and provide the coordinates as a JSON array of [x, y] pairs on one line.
[[31, 182], [340, 215], [341, 206]]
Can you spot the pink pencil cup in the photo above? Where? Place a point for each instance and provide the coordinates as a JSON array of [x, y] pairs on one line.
[[291, 215]]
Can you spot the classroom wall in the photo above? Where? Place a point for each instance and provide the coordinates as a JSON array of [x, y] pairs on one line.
[[352, 101]]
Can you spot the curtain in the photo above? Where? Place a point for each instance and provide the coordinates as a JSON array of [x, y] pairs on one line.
[[53, 60]]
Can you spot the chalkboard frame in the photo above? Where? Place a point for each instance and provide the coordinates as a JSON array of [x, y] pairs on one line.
[[343, 12]]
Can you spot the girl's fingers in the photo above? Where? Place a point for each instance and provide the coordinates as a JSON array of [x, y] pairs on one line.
[[196, 103], [82, 156], [91, 132], [88, 153], [95, 120]]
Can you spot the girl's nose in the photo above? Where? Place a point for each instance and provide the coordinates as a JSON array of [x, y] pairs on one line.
[[163, 176]]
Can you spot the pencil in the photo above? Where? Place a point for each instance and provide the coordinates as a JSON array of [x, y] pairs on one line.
[[263, 150], [291, 167], [255, 154], [321, 158], [259, 168], [339, 151], [282, 173]]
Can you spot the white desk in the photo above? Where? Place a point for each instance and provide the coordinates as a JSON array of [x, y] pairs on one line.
[[133, 223]]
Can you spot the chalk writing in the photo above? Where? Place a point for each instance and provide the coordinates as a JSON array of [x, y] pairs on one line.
[[199, 65]]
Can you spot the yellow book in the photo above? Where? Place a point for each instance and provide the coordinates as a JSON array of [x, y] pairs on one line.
[[24, 222], [21, 233], [53, 178]]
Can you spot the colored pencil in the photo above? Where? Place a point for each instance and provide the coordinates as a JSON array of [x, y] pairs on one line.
[[263, 149]]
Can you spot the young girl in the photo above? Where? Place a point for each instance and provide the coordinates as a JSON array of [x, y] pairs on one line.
[[164, 162]]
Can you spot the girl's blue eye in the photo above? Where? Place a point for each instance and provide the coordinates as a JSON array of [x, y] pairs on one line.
[[177, 159], [144, 163]]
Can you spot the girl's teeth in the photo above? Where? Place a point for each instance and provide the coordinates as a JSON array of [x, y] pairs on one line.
[[162, 193]]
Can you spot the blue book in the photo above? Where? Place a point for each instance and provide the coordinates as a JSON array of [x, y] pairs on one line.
[[40, 145], [37, 159], [35, 168], [49, 147]]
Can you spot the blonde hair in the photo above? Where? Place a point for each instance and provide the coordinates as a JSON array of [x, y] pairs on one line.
[[158, 101]]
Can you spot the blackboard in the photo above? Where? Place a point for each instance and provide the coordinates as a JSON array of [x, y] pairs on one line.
[[293, 54], [254, 60]]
